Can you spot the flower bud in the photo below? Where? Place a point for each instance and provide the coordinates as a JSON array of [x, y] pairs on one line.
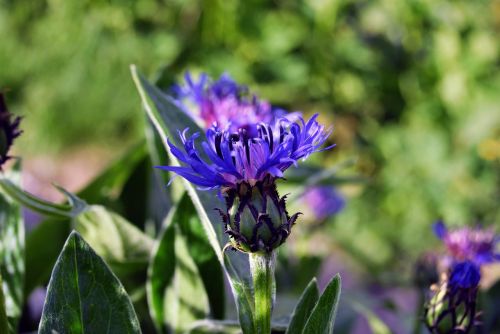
[[452, 308], [256, 219]]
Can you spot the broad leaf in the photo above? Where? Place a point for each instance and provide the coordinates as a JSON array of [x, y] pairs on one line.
[[167, 119], [304, 308], [124, 247], [12, 265], [322, 317], [84, 296], [43, 246], [175, 290]]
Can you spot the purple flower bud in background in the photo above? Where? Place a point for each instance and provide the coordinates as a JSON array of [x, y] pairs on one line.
[[323, 201], [452, 308], [9, 130]]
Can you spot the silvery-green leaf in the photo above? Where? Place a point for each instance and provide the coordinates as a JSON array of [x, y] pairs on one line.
[[122, 245], [322, 317], [304, 308], [84, 296]]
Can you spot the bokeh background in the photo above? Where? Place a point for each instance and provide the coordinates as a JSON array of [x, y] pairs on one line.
[[411, 87]]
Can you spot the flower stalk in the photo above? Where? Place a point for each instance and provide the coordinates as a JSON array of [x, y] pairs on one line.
[[262, 266]]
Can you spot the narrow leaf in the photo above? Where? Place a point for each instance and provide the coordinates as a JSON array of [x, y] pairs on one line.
[[84, 296], [12, 264], [4, 323], [175, 291], [304, 308], [71, 209], [376, 325], [322, 316]]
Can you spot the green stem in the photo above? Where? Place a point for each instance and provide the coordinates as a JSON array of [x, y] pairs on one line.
[[262, 268]]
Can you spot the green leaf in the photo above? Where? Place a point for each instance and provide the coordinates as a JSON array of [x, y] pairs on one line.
[[167, 119], [123, 246], [304, 308], [109, 183], [62, 211], [175, 290], [12, 264], [242, 291], [323, 315], [43, 245], [4, 323], [376, 325], [203, 255], [84, 296]]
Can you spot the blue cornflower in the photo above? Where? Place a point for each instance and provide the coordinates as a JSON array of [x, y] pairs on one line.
[[223, 102], [452, 308], [244, 168], [237, 157]]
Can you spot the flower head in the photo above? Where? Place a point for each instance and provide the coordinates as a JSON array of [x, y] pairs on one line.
[[223, 102], [323, 201], [473, 244], [232, 158], [9, 130], [452, 308]]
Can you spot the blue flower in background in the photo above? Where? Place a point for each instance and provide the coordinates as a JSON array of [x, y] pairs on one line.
[[324, 201], [237, 157], [223, 103], [464, 275], [475, 244]]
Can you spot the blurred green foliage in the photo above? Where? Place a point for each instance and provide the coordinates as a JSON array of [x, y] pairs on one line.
[[412, 88]]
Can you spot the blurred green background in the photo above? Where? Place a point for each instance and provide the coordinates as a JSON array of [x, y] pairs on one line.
[[412, 88]]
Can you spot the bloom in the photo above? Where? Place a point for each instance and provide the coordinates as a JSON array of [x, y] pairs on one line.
[[452, 308], [239, 157], [9, 130], [474, 244], [324, 201], [223, 102]]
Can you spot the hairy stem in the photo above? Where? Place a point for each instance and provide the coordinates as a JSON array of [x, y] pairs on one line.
[[262, 267]]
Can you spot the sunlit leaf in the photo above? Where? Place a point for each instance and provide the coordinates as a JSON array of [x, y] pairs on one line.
[[84, 296], [175, 290]]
